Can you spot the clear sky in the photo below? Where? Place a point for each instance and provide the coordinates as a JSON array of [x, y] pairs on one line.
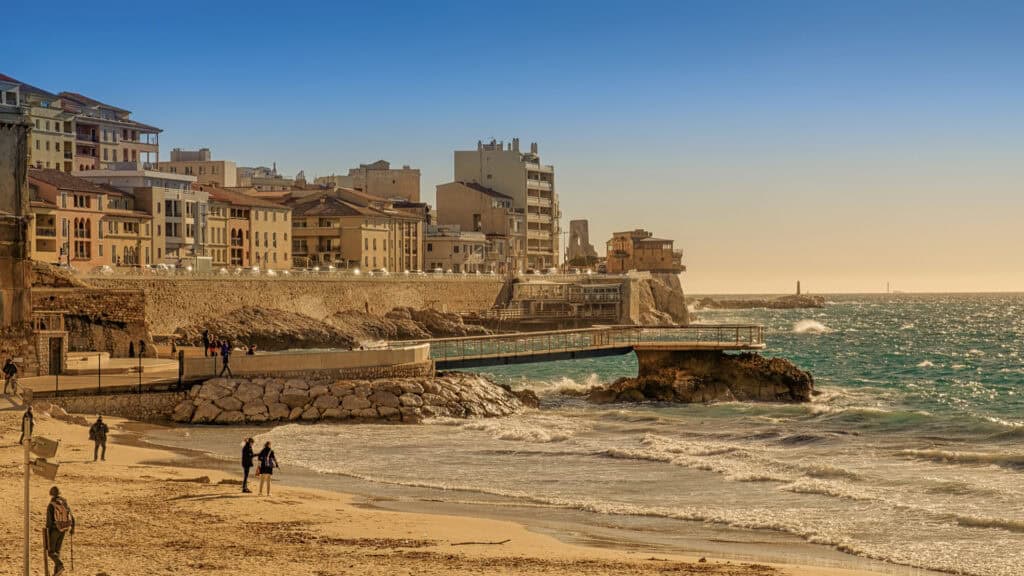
[[845, 144]]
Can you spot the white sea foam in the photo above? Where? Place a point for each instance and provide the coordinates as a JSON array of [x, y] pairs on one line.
[[926, 364], [811, 327], [963, 457]]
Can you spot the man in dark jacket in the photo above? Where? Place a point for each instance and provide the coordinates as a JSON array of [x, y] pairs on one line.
[[225, 356], [59, 521], [247, 455], [29, 421], [10, 369], [98, 434], [206, 342]]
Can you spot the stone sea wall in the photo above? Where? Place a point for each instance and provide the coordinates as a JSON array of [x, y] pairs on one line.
[[98, 319], [176, 302], [407, 400], [148, 407]]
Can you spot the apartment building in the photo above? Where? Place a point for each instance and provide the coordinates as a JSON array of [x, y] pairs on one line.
[[351, 229], [451, 249], [530, 184], [85, 224], [379, 179], [248, 231], [477, 208], [178, 211], [640, 250], [199, 163], [74, 133]]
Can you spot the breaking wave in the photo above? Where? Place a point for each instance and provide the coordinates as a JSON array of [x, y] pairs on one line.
[[811, 327]]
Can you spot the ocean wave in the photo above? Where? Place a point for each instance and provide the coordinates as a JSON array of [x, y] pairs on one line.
[[926, 364], [987, 522], [811, 327], [828, 488], [958, 457], [537, 429]]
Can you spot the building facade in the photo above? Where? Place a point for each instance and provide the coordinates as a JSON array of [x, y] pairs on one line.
[[84, 224], [200, 164], [450, 249], [74, 133], [351, 229], [379, 179], [530, 184], [477, 208], [250, 231], [178, 211], [640, 250]]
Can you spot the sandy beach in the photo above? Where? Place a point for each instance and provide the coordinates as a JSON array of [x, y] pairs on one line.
[[138, 518]]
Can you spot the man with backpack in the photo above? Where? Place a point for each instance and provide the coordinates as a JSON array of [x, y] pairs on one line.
[[98, 434], [59, 522], [10, 371]]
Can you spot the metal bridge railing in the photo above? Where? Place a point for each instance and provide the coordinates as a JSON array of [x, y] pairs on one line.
[[601, 337]]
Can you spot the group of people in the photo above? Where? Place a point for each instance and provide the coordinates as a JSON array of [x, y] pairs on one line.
[[10, 376], [264, 471]]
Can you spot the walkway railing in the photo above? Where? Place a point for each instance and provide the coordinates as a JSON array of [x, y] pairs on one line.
[[553, 342]]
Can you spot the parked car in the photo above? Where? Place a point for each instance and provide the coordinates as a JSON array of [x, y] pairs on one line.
[[379, 272], [437, 271], [103, 269]]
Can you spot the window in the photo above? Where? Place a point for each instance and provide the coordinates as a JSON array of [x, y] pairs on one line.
[[101, 250], [47, 145], [430, 247], [455, 249], [114, 154], [37, 141], [105, 154]]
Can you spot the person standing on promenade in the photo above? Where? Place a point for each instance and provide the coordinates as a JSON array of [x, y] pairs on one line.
[[206, 342], [225, 355], [247, 456], [59, 522], [268, 461], [98, 434], [28, 420], [10, 369], [131, 349], [142, 348]]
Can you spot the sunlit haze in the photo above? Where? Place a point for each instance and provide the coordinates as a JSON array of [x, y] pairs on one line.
[[845, 145]]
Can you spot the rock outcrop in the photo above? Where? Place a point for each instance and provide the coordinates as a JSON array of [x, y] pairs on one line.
[[437, 324], [269, 329], [409, 400], [713, 377], [660, 300]]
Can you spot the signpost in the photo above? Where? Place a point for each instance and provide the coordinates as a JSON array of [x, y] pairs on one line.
[[44, 449]]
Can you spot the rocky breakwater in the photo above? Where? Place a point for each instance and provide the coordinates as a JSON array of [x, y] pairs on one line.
[[409, 400], [791, 302], [712, 377]]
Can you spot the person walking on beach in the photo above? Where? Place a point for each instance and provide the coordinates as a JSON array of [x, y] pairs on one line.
[[27, 420], [225, 356], [247, 456], [98, 434], [268, 461], [206, 342], [59, 522], [10, 370]]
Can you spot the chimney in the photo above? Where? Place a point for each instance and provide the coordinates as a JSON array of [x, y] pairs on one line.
[[533, 148], [515, 144]]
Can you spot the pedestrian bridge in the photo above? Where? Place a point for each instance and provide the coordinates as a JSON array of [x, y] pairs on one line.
[[526, 347]]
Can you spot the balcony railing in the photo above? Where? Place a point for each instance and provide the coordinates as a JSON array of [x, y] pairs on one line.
[[46, 231], [86, 138]]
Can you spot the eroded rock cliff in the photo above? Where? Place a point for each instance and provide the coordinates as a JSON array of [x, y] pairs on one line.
[[713, 377]]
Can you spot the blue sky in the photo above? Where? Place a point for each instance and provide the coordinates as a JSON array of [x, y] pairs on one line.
[[843, 143]]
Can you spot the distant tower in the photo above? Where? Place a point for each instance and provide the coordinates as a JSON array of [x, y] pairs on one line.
[[797, 287], [580, 247]]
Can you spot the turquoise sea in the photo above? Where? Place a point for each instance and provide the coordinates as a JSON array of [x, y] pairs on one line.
[[912, 454]]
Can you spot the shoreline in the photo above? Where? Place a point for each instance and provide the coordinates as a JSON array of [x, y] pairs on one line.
[[163, 509], [576, 528]]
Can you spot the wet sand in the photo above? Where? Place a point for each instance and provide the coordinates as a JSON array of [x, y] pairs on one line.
[[136, 517]]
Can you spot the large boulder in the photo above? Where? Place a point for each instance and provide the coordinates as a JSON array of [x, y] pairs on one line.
[[205, 412], [183, 411], [295, 398], [278, 411], [353, 402], [229, 403], [230, 417]]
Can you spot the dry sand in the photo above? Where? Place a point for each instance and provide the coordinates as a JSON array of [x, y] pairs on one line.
[[135, 518]]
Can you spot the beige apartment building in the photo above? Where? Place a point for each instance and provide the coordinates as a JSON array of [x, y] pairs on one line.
[[178, 211], [201, 165], [263, 179], [530, 184], [450, 249], [352, 229], [74, 133], [85, 224], [477, 208], [379, 179], [640, 250], [249, 231]]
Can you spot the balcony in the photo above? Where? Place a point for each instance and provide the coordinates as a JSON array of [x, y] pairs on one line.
[[46, 231], [538, 184], [540, 167], [537, 201], [86, 138], [538, 234]]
